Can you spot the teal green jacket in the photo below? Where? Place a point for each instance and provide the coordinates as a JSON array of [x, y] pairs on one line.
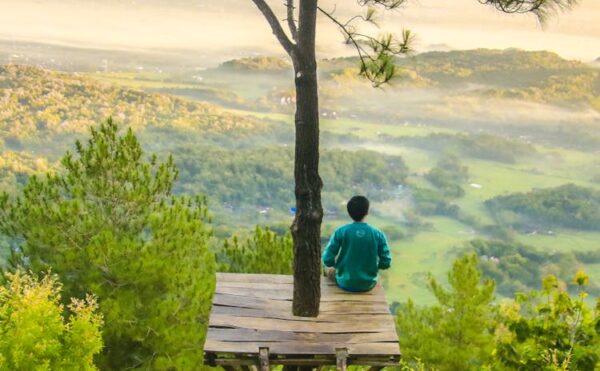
[[357, 251]]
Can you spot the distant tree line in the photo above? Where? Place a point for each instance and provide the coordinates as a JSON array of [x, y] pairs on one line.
[[568, 206]]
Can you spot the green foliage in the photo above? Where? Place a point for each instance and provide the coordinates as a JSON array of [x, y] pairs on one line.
[[538, 330], [376, 54], [264, 178], [38, 333], [41, 103], [549, 330], [4, 252], [16, 167], [268, 64], [263, 252], [569, 206], [581, 86], [448, 175], [519, 268], [107, 224], [430, 202], [454, 333], [481, 146]]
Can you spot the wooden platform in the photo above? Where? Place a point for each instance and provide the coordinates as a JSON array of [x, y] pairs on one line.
[[251, 312]]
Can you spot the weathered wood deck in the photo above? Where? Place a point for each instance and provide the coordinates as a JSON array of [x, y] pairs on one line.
[[252, 313]]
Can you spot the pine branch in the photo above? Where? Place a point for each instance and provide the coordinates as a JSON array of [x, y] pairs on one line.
[[541, 8], [386, 4], [278, 31], [376, 64], [291, 20]]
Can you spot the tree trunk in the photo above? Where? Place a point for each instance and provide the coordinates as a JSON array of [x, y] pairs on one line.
[[306, 228]]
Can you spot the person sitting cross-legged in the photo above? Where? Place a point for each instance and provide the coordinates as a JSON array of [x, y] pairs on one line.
[[356, 251]]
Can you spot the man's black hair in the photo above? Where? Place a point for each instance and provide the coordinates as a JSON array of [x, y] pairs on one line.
[[358, 208]]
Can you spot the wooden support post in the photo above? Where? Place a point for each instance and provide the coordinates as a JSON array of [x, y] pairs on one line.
[[341, 355], [263, 358], [228, 368], [209, 359]]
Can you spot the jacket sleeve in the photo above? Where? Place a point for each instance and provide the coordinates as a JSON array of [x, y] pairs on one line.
[[383, 251], [332, 249]]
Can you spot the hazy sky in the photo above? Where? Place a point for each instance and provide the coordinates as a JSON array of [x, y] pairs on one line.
[[234, 27]]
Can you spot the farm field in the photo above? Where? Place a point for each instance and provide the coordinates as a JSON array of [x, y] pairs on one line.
[[434, 250]]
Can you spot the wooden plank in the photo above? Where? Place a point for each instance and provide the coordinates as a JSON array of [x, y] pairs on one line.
[[257, 278], [253, 311], [278, 314], [249, 279], [250, 302], [322, 360], [300, 348], [326, 307], [242, 334], [326, 287], [280, 294], [221, 320]]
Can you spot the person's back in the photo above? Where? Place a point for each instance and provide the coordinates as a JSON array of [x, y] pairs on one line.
[[356, 251]]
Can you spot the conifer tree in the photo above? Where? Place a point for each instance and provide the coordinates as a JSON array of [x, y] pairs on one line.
[[456, 333], [263, 252], [107, 223]]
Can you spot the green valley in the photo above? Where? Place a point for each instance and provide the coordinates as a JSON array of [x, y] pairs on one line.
[[236, 149]]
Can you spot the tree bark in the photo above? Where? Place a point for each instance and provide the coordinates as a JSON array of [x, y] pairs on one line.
[[306, 228]]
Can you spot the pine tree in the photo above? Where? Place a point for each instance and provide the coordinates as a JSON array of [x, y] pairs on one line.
[[263, 252], [457, 332], [107, 223]]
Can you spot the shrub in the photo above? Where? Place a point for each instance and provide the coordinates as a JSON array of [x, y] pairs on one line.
[[37, 332]]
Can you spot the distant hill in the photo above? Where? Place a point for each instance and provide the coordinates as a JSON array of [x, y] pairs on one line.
[[534, 76], [263, 64], [437, 65], [38, 102]]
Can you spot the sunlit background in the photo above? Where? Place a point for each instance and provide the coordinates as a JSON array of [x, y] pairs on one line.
[[218, 30]]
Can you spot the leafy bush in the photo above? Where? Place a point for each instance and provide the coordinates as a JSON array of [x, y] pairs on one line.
[[464, 330], [549, 330], [107, 224], [38, 333]]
